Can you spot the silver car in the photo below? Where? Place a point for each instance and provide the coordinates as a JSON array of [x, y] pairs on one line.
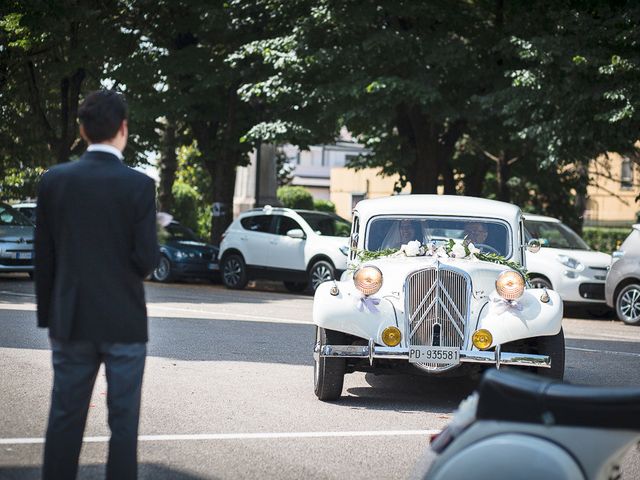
[[16, 241], [622, 289]]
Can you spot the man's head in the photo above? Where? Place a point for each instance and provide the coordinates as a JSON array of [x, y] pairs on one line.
[[103, 118], [476, 232], [409, 231]]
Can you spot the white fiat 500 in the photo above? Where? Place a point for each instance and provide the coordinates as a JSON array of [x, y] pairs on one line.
[[565, 263], [435, 285]]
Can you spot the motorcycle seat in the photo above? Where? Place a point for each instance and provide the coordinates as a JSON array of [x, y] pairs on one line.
[[526, 398]]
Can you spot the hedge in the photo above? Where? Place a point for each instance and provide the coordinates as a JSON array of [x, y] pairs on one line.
[[324, 206], [605, 239], [295, 197]]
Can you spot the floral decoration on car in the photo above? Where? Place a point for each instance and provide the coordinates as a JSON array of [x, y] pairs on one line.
[[462, 249]]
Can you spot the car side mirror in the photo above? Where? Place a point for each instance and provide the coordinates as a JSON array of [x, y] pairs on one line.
[[533, 245], [296, 233]]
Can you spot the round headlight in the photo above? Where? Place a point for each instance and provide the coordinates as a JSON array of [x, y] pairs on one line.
[[510, 285], [368, 280]]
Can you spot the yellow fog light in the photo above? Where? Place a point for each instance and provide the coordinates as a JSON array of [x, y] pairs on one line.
[[368, 279], [510, 285], [391, 336], [482, 339]]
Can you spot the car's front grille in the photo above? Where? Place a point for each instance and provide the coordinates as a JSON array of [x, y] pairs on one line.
[[436, 305]]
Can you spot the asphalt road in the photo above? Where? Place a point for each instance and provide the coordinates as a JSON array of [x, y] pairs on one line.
[[228, 391]]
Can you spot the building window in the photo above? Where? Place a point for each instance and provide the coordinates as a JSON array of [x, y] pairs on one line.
[[626, 174], [355, 198]]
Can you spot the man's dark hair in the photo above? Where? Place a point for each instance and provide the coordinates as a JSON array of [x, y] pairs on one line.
[[101, 115]]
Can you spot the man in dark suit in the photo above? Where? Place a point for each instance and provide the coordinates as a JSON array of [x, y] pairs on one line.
[[95, 243]]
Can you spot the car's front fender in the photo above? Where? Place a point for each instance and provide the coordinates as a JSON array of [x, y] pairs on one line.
[[528, 317], [345, 312]]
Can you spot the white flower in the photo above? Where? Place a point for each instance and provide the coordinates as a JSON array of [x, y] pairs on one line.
[[473, 250], [430, 249], [458, 250], [412, 249], [441, 252]]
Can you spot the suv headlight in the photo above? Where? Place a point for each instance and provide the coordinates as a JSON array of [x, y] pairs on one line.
[[180, 255], [510, 285], [344, 250], [570, 262], [368, 279]]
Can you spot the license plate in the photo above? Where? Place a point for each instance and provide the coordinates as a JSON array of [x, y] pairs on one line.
[[24, 255], [213, 266], [438, 355]]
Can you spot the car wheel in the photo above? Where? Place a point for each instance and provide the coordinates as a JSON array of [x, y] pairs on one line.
[[328, 373], [539, 282], [296, 287], [320, 272], [553, 346], [234, 272], [162, 272], [628, 304]]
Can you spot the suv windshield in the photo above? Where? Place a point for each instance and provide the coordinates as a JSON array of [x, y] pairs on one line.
[[178, 233], [10, 216], [554, 235], [327, 224], [489, 236]]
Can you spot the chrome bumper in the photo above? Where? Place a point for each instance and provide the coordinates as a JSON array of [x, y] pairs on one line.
[[372, 351]]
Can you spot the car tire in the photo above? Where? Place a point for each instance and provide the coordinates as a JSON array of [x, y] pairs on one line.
[[233, 271], [540, 282], [328, 373], [552, 345], [296, 287], [163, 272], [628, 304], [320, 272]]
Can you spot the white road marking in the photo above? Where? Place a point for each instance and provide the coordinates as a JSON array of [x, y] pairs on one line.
[[238, 436], [17, 294], [612, 352], [263, 318]]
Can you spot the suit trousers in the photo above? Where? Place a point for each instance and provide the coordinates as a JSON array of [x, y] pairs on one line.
[[75, 367]]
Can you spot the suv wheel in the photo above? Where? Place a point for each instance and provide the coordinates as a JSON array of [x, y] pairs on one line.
[[628, 304], [234, 272], [320, 272]]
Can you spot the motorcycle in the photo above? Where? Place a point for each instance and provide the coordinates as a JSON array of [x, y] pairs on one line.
[[519, 426]]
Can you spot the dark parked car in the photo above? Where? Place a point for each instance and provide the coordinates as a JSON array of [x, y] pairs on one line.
[[622, 289], [16, 241], [184, 255]]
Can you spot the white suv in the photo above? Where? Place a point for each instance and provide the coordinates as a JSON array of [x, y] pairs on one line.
[[300, 247]]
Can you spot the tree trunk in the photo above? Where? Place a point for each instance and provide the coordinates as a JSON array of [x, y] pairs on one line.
[[419, 137], [502, 176], [474, 180], [223, 174], [168, 166], [581, 196]]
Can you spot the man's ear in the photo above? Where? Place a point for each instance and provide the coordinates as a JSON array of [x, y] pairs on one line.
[[124, 128], [83, 134]]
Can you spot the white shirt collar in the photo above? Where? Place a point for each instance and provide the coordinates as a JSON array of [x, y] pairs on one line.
[[101, 147]]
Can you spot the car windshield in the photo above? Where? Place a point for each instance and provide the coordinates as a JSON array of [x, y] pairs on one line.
[[10, 216], [554, 235], [179, 233], [490, 236], [327, 224]]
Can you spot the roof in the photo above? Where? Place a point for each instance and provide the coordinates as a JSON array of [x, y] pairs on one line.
[[539, 218], [437, 205]]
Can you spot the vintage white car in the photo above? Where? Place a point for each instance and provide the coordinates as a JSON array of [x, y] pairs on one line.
[[436, 285]]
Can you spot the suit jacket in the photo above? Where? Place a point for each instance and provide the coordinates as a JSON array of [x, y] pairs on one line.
[[95, 242]]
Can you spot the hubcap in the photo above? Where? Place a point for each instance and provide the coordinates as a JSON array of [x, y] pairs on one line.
[[232, 271], [163, 269], [538, 283], [630, 304], [320, 274]]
